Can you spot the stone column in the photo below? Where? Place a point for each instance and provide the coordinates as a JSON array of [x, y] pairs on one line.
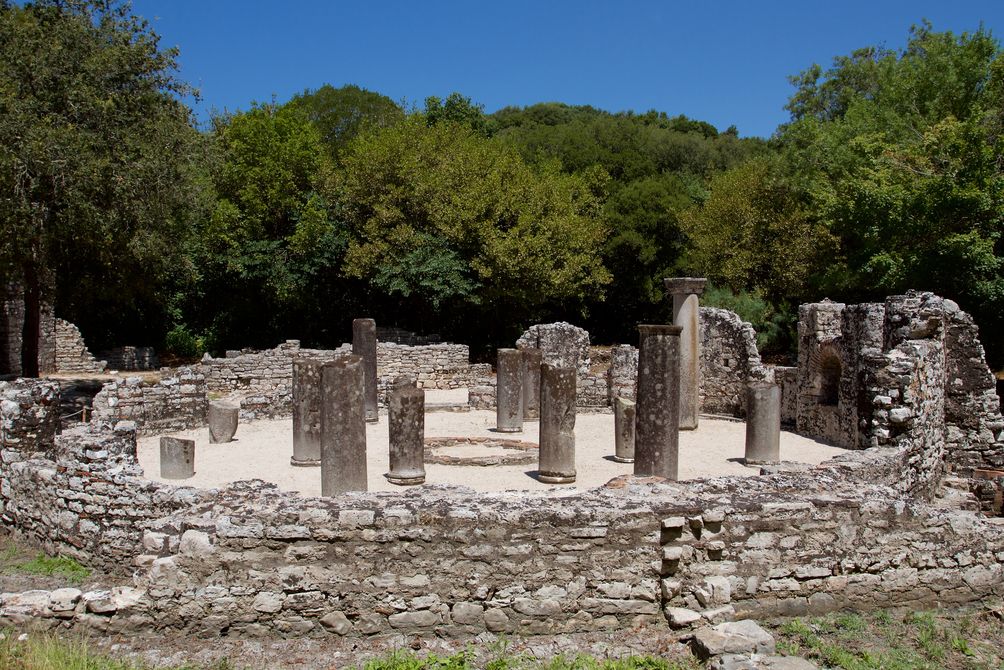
[[509, 392], [657, 412], [343, 426], [222, 418], [406, 426], [557, 425], [687, 314], [623, 374], [364, 344], [624, 413], [763, 423], [401, 382], [177, 458], [531, 360], [306, 412]]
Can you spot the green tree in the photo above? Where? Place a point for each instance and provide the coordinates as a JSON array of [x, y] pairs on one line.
[[97, 158], [901, 152], [446, 218], [644, 247], [457, 109], [269, 250], [755, 233], [342, 113]]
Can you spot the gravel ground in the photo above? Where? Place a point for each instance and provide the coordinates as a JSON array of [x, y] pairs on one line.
[[262, 449]]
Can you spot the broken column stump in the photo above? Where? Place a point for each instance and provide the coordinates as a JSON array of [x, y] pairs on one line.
[[177, 458], [624, 421], [222, 418], [763, 423], [406, 426]]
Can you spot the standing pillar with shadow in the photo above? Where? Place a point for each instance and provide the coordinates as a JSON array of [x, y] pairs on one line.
[[657, 409], [509, 392], [557, 425], [686, 292], [364, 344], [343, 426]]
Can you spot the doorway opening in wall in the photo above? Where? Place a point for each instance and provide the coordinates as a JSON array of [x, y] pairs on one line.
[[829, 379]]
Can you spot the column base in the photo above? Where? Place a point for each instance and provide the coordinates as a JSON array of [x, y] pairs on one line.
[[621, 459], [753, 461], [305, 463], [555, 478], [375, 419], [508, 430], [404, 480]]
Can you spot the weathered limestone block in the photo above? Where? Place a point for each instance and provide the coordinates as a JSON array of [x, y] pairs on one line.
[[562, 344], [364, 344], [509, 392], [557, 425], [177, 458], [406, 426], [343, 426], [657, 439], [222, 419]]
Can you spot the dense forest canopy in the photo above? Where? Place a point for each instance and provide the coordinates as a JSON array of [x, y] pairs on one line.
[[287, 220]]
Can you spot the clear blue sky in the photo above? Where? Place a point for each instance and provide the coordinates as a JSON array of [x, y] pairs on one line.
[[725, 62]]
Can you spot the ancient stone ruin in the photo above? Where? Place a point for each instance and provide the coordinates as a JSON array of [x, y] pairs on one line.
[[903, 517]]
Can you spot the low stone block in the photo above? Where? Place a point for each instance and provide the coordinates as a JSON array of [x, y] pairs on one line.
[[532, 607], [468, 614], [64, 600], [268, 602], [222, 418], [680, 617], [496, 620], [421, 619], [337, 623], [196, 543]]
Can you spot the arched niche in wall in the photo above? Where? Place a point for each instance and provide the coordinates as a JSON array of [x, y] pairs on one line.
[[826, 371]]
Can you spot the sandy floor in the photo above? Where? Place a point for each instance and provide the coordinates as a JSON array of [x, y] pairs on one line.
[[262, 449]]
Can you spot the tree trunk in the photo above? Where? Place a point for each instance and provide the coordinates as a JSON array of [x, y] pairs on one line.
[[32, 322]]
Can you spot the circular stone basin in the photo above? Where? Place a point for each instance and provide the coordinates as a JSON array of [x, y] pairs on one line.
[[479, 451]]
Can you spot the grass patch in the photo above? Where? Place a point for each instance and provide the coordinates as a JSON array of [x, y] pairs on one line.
[[48, 566], [928, 640], [499, 658], [49, 651], [45, 651]]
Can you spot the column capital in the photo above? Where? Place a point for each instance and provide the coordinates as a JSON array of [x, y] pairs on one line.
[[659, 329], [685, 285]]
